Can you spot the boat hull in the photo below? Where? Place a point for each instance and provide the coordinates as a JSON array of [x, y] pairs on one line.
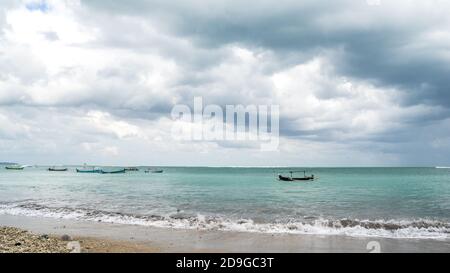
[[14, 168], [87, 171], [284, 178], [57, 170], [113, 172], [287, 178], [302, 178]]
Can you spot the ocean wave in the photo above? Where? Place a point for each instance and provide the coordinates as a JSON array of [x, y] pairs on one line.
[[417, 229]]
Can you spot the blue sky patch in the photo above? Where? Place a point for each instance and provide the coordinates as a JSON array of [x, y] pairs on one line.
[[38, 6]]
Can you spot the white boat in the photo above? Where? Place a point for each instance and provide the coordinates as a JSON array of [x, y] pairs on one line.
[[15, 167]]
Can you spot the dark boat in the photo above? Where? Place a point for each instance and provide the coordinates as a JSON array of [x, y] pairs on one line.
[[291, 178], [113, 172], [57, 169], [284, 178], [132, 169]]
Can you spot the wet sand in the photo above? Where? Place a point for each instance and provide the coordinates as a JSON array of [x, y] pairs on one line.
[[104, 237]]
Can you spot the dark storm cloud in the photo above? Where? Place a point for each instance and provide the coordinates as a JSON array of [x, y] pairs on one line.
[[372, 43]]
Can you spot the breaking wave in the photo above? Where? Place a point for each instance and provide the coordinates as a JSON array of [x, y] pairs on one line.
[[418, 229]]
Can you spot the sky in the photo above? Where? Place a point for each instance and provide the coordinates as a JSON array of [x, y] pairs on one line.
[[358, 83]]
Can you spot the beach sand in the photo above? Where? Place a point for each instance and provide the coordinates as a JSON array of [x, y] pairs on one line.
[[104, 237], [15, 240]]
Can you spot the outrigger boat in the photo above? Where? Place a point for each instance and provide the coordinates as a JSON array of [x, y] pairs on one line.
[[55, 169], [291, 178], [113, 171], [14, 167], [88, 170]]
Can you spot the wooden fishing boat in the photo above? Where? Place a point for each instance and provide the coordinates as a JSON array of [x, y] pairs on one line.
[[113, 171], [292, 178], [55, 169], [88, 170], [14, 167]]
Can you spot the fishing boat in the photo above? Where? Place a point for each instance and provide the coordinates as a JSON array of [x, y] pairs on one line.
[[132, 169], [154, 171], [88, 170], [113, 171], [14, 167], [292, 178], [56, 169]]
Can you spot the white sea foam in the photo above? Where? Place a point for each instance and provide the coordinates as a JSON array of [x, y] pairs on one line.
[[418, 229]]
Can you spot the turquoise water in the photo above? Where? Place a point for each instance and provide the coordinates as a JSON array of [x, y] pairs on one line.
[[388, 202]]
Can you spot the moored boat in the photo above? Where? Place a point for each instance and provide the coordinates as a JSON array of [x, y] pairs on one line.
[[88, 170], [291, 178], [14, 167], [57, 169], [113, 171]]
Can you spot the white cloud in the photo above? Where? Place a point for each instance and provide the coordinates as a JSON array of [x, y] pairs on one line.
[[316, 99], [12, 129], [111, 151], [80, 83], [103, 122]]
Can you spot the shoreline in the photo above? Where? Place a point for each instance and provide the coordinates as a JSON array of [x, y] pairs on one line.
[[105, 237]]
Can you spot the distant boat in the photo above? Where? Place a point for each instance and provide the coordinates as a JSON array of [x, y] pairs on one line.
[[15, 167], [154, 171], [132, 169], [291, 178], [88, 170], [56, 169], [113, 171]]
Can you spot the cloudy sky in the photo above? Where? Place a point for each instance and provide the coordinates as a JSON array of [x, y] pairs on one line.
[[359, 83]]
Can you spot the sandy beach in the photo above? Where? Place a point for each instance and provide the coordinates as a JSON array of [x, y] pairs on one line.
[[15, 240], [20, 240], [103, 237]]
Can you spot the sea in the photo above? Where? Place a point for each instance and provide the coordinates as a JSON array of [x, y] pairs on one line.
[[359, 202]]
